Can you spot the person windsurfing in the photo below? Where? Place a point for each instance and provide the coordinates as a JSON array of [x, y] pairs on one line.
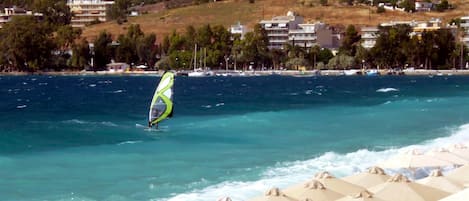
[[161, 106]]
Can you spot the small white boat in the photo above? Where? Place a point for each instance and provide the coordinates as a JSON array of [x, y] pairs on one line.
[[196, 74], [351, 72], [372, 72]]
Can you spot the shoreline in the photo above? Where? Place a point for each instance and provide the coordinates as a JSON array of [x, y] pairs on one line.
[[298, 73]]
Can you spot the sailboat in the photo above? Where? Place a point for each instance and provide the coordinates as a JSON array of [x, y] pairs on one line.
[[161, 106], [198, 72]]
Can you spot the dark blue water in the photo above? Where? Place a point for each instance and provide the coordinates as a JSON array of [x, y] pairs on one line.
[[84, 137]]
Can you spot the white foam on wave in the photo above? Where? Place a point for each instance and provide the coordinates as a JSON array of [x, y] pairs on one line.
[[309, 92], [82, 122], [385, 90], [289, 173], [118, 91], [74, 121], [129, 142], [108, 123], [21, 106], [105, 82]]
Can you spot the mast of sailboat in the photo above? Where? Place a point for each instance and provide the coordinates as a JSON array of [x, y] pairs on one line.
[[205, 58], [195, 56]]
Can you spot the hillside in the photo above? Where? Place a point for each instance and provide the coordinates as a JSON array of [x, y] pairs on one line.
[[231, 11]]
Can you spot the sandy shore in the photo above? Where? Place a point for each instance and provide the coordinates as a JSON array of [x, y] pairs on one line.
[[418, 72]]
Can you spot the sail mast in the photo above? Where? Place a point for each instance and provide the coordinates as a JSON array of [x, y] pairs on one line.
[[195, 56]]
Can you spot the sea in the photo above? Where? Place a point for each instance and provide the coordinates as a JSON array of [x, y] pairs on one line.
[[85, 138]]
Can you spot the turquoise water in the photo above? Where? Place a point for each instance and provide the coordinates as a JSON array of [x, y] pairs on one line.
[[84, 138]]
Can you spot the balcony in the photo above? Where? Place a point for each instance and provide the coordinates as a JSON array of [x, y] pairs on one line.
[[465, 25], [90, 15], [303, 38], [276, 28], [277, 41], [277, 35]]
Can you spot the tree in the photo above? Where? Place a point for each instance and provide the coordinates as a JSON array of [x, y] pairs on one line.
[[314, 52], [165, 45], [350, 42], [325, 55], [341, 61], [66, 35], [389, 48], [102, 50], [147, 49], [445, 45], [26, 44], [126, 51], [56, 13], [118, 11], [444, 5], [81, 55], [295, 63], [408, 5]]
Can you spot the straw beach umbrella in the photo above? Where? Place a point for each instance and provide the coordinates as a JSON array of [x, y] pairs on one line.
[[338, 185], [362, 196], [460, 149], [372, 177], [437, 180], [413, 159], [274, 194], [460, 175], [460, 196], [314, 190], [446, 155], [399, 188]]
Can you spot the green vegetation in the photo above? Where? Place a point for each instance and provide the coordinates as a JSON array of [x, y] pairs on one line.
[[395, 48], [32, 44]]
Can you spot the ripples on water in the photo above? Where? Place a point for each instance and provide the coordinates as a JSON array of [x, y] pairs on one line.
[[86, 137]]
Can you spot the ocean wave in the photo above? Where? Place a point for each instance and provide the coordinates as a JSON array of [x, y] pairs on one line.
[[105, 82], [21, 106], [289, 173], [309, 92], [74, 121], [118, 91], [108, 123], [385, 90], [82, 122], [129, 142]]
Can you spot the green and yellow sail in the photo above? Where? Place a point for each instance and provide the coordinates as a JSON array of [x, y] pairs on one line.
[[162, 103]]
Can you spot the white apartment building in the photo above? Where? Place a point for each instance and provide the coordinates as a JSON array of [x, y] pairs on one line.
[[465, 26], [305, 35], [310, 35], [14, 11], [369, 36], [278, 29], [238, 29], [87, 11]]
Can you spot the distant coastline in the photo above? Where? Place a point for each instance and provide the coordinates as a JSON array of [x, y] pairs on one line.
[[417, 72]]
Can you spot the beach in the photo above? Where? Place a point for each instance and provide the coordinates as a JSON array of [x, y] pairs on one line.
[[85, 137]]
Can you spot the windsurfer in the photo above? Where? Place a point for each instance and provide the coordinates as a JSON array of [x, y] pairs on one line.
[[149, 125]]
